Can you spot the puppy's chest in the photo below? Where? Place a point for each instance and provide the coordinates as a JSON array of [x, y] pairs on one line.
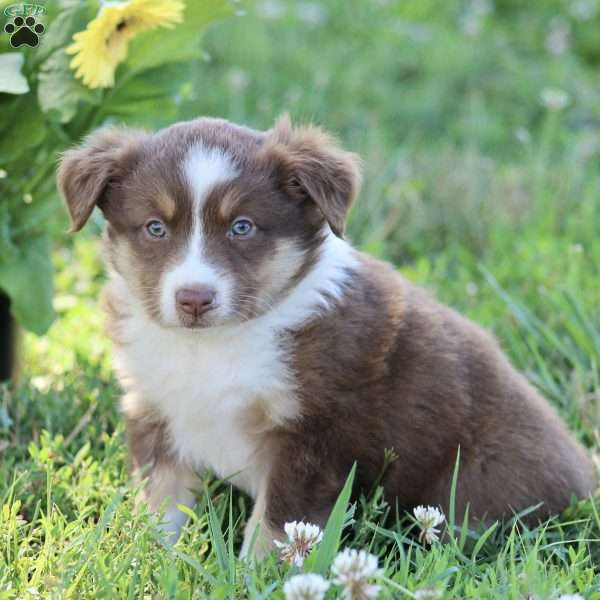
[[220, 393]]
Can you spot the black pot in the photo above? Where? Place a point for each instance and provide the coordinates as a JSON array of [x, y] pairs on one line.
[[8, 340]]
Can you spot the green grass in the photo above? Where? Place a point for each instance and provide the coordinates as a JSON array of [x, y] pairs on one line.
[[506, 231]]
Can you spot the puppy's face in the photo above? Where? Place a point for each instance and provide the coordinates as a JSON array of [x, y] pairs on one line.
[[210, 223]]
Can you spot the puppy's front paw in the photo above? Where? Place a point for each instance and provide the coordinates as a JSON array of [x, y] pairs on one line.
[[172, 523]]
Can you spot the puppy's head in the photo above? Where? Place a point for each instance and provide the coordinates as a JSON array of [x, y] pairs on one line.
[[210, 223]]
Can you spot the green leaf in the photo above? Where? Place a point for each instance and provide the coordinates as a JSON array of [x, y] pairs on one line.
[[58, 90], [6, 245], [163, 46], [138, 99], [216, 537], [12, 80], [482, 540], [452, 502], [27, 279], [333, 531], [26, 130], [8, 109]]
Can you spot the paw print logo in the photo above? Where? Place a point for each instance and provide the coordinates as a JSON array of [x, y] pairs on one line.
[[24, 32]]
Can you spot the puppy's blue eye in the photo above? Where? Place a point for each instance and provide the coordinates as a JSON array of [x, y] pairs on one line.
[[156, 229], [242, 227]]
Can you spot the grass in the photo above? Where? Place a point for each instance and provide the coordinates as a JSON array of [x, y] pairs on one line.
[[472, 187]]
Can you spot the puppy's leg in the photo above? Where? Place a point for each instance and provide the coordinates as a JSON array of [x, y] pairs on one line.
[[299, 488], [166, 486], [164, 481], [258, 534]]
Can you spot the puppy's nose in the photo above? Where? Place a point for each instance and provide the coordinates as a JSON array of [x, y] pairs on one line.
[[195, 301]]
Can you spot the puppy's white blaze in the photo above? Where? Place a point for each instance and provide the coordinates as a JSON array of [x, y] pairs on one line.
[[194, 269], [203, 169]]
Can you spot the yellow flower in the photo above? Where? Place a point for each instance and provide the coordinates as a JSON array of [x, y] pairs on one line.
[[103, 45]]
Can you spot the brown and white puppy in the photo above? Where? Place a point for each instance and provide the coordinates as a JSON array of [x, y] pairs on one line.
[[253, 340]]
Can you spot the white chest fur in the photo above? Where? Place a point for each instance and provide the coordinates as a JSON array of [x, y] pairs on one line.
[[205, 383]]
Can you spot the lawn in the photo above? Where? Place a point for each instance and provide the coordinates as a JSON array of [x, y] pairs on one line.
[[478, 123]]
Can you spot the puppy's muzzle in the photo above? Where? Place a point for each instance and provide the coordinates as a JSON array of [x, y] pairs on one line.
[[195, 301]]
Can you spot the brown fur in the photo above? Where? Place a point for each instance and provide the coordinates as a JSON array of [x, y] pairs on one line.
[[387, 367], [394, 369], [85, 173], [309, 164]]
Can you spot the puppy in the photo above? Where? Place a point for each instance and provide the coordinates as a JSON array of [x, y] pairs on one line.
[[253, 340]]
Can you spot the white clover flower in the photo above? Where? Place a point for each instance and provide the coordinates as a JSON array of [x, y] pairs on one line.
[[557, 40], [301, 539], [426, 593], [352, 569], [471, 22], [522, 135], [482, 8], [237, 79], [583, 10], [554, 99], [3, 174], [471, 25], [307, 586], [428, 518], [271, 9], [570, 597], [311, 13], [472, 288]]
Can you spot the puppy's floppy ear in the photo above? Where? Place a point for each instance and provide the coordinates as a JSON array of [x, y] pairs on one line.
[[311, 165], [86, 171]]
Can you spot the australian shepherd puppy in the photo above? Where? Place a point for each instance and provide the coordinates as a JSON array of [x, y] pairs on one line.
[[252, 339]]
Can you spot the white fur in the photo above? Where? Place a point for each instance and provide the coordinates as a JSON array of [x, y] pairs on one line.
[[202, 381], [193, 270], [319, 288], [174, 485], [203, 168]]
